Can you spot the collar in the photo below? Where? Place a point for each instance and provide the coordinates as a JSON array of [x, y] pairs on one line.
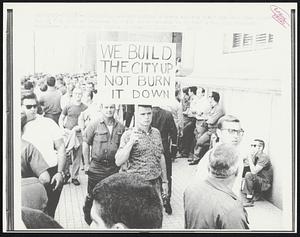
[[50, 88], [220, 186], [143, 132], [103, 121]]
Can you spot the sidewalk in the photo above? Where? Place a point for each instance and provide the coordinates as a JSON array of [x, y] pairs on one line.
[[263, 216]]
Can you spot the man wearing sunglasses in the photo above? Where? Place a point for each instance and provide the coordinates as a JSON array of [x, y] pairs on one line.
[[260, 173], [47, 137]]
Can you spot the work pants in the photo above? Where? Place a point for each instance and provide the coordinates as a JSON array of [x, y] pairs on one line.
[[53, 196]]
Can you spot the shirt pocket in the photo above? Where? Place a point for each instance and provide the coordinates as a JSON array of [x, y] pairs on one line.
[[100, 143]]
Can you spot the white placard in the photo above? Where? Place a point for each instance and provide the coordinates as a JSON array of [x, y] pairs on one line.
[[136, 72]]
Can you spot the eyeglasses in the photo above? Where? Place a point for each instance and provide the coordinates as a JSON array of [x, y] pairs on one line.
[[234, 131], [31, 106]]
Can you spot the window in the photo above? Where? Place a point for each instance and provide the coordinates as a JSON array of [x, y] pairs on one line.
[[241, 42]]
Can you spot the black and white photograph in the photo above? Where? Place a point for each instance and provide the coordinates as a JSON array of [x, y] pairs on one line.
[[156, 117]]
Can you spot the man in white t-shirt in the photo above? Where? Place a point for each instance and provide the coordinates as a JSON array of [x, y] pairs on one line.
[[229, 131], [47, 137]]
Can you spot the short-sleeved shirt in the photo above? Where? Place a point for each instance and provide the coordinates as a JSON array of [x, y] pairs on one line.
[[42, 132], [214, 114], [34, 194], [32, 161], [266, 172], [72, 112], [50, 100], [209, 204], [66, 99], [144, 158], [104, 145]]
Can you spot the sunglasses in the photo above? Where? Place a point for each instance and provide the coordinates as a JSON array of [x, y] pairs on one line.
[[254, 145], [30, 106]]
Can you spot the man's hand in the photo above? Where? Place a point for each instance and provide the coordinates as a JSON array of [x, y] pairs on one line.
[[173, 150], [57, 179], [133, 138], [76, 128], [165, 189], [86, 167]]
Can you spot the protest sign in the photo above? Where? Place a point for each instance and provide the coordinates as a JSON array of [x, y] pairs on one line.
[[136, 72]]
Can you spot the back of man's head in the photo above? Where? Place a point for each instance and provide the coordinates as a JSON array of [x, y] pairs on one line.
[[51, 81], [193, 89], [127, 199], [216, 96], [223, 161]]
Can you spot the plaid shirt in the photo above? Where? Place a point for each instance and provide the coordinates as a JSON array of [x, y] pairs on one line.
[[145, 156]]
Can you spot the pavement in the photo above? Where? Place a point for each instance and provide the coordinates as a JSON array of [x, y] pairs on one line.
[[263, 216]]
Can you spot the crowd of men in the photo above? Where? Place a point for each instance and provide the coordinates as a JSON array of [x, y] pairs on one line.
[[127, 151]]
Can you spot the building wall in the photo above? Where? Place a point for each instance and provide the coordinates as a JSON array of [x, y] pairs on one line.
[[57, 51], [250, 87]]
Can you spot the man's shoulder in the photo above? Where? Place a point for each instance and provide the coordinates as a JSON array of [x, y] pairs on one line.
[[95, 122], [168, 113], [120, 125], [195, 186], [155, 131], [264, 157]]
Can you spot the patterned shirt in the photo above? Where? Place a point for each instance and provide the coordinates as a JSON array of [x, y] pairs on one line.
[[144, 158]]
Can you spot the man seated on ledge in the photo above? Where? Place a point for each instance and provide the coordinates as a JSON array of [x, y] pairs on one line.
[[259, 179], [125, 200]]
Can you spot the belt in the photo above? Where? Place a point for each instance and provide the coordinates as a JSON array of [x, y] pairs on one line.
[[104, 162]]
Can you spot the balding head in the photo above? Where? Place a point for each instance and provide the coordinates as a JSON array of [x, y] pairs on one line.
[[223, 161]]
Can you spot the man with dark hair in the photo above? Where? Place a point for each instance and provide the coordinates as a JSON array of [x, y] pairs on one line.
[[201, 109], [260, 175], [66, 99], [141, 151], [211, 203], [36, 219], [50, 100], [124, 201], [189, 123], [164, 122], [91, 87], [211, 119], [47, 137]]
